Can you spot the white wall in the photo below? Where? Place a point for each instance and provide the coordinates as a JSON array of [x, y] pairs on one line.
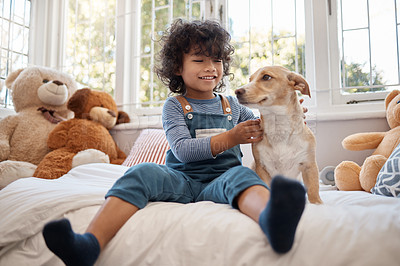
[[329, 135]]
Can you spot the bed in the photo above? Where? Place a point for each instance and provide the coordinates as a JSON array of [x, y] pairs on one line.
[[350, 228]]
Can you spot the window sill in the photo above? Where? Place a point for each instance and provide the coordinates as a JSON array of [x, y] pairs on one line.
[[347, 112], [140, 122]]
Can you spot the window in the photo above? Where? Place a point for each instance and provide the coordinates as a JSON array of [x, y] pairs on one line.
[[366, 65], [266, 33], [14, 43], [90, 45], [139, 25], [110, 45]]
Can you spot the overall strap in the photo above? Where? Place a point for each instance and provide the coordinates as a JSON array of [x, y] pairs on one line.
[[226, 107], [185, 104]]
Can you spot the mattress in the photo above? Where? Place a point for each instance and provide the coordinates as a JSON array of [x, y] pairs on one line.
[[350, 228]]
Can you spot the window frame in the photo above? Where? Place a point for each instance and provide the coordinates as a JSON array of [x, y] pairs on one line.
[[322, 51], [335, 69]]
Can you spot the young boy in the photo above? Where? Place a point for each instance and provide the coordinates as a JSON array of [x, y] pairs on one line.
[[204, 131]]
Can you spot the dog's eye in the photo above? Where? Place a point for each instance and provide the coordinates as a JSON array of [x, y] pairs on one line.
[[266, 77], [45, 80]]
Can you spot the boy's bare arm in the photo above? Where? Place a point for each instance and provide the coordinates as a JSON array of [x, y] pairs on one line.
[[246, 132]]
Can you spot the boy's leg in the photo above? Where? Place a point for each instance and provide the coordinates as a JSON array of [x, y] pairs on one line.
[[283, 208], [140, 184], [277, 211], [77, 249]]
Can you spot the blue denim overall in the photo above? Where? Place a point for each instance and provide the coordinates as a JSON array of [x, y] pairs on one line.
[[220, 179]]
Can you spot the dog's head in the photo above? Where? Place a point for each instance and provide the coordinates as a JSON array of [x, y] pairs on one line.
[[272, 85]]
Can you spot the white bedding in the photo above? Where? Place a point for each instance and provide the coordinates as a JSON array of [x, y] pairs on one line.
[[350, 228]]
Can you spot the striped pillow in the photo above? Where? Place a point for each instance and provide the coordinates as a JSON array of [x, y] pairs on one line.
[[150, 146], [388, 180]]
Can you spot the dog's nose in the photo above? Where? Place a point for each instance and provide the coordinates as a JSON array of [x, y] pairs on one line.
[[240, 91]]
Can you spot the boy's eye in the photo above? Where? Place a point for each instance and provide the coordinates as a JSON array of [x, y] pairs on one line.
[[197, 60], [218, 60]]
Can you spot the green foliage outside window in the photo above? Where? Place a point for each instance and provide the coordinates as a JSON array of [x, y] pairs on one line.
[[90, 46]]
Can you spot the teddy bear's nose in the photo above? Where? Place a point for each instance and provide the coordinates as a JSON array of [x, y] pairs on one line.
[[111, 113], [59, 83]]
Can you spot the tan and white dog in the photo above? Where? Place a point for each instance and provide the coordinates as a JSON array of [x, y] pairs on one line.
[[288, 145]]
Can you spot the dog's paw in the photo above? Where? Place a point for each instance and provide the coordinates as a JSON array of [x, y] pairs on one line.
[[316, 201]]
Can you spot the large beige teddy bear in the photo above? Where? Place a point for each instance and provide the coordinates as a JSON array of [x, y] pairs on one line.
[[351, 176], [40, 97]]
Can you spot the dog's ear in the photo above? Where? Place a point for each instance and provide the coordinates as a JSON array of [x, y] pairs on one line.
[[299, 83]]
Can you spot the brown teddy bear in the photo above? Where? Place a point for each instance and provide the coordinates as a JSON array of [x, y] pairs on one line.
[[85, 138], [40, 97], [349, 175]]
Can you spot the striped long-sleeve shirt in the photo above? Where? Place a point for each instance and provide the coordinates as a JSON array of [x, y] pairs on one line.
[[188, 149]]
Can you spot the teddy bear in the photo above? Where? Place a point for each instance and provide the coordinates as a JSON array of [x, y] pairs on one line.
[[84, 138], [40, 97], [349, 175]]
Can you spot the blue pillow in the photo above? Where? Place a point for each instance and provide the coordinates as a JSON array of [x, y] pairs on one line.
[[388, 180]]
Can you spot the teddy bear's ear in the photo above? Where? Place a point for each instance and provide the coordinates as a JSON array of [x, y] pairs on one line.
[[123, 117], [390, 97], [78, 101], [12, 77]]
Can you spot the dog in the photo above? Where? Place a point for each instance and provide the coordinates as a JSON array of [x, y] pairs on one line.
[[288, 145]]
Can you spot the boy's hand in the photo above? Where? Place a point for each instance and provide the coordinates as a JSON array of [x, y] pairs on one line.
[[246, 132], [249, 131]]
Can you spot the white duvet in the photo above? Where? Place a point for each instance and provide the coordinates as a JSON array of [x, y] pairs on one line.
[[350, 228]]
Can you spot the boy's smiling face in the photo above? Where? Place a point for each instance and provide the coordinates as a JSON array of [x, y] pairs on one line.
[[201, 74]]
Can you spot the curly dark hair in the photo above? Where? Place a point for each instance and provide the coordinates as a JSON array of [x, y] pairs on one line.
[[208, 37]]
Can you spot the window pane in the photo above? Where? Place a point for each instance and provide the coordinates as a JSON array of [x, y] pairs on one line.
[[355, 14], [91, 43], [19, 11], [161, 22], [146, 37], [145, 91], [27, 13], [241, 65], [383, 42], [196, 11], [18, 38], [180, 9], [151, 88], [356, 58], [271, 32], [14, 41], [161, 2], [3, 64], [283, 12], [6, 9], [369, 45], [5, 32]]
